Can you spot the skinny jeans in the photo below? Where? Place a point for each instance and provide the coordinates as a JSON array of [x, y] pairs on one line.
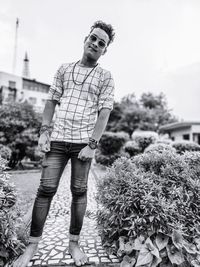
[[53, 165]]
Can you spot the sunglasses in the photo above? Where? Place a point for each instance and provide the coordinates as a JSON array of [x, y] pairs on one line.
[[101, 43]]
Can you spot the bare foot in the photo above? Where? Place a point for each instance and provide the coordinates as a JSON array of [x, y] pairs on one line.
[[77, 254], [28, 254]]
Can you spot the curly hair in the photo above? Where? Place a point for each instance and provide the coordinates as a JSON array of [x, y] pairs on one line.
[[106, 27]]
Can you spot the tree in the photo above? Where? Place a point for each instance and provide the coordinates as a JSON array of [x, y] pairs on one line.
[[147, 113], [15, 118]]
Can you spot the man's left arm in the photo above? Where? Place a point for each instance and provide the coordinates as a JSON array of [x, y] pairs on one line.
[[88, 153]]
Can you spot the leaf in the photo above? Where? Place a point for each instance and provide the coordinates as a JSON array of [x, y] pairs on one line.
[[161, 241], [154, 251], [175, 256], [177, 239], [147, 253], [190, 248], [156, 261], [121, 246], [144, 257], [138, 242], [128, 247], [128, 261]]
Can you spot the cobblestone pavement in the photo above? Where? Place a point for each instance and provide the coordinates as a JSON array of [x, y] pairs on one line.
[[53, 248]]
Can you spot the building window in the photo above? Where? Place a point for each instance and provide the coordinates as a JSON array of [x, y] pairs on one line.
[[32, 100], [186, 137], [11, 84]]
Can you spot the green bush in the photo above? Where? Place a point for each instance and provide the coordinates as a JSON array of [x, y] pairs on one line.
[[193, 160], [111, 147], [108, 160], [159, 147], [144, 138], [5, 152], [111, 143], [132, 148], [182, 146], [10, 246], [149, 209]]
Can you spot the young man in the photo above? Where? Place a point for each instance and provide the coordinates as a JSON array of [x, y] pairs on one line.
[[84, 92]]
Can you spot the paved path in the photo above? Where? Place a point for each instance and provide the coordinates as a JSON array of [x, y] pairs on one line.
[[53, 249]]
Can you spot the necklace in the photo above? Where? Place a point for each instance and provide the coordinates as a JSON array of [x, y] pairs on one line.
[[81, 83]]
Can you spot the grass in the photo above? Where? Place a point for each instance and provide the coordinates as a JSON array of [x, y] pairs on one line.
[[26, 183]]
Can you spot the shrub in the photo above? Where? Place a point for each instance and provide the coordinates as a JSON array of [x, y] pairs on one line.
[[5, 152], [144, 138], [193, 160], [10, 246], [111, 143], [111, 147], [185, 145], [132, 148], [108, 160], [149, 209], [159, 147]]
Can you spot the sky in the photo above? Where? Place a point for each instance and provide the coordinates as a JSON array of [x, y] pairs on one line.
[[156, 48]]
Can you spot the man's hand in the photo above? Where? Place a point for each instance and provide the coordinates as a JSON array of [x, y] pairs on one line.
[[44, 142], [86, 153]]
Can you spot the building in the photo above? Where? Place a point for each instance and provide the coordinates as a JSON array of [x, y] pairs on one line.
[[20, 89], [186, 130], [15, 88]]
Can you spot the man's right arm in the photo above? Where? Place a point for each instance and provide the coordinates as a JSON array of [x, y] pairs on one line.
[[48, 113], [44, 140]]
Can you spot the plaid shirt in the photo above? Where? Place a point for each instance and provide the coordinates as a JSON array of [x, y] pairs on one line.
[[79, 104]]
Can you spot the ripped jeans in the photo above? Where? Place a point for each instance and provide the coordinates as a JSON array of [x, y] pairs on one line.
[[53, 165]]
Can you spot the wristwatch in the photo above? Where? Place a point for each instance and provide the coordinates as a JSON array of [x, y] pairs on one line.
[[93, 144]]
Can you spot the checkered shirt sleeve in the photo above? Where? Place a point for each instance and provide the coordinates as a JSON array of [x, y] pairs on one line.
[[56, 88], [106, 97]]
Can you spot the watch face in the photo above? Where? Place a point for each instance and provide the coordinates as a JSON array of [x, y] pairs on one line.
[[92, 145]]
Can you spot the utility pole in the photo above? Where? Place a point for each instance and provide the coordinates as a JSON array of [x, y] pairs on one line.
[[15, 47]]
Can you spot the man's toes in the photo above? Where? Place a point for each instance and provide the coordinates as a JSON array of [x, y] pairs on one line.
[[78, 263]]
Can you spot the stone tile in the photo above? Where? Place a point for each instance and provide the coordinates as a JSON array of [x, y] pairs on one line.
[[91, 241], [37, 262], [67, 256], [92, 251], [68, 261], [94, 259], [49, 247], [105, 260], [53, 261], [90, 255], [91, 245], [60, 248], [115, 260], [58, 256], [53, 253], [112, 257]]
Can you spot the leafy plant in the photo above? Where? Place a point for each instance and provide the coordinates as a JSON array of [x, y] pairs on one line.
[[159, 147], [5, 152], [19, 126], [184, 145], [110, 147], [132, 148], [10, 246], [149, 209]]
